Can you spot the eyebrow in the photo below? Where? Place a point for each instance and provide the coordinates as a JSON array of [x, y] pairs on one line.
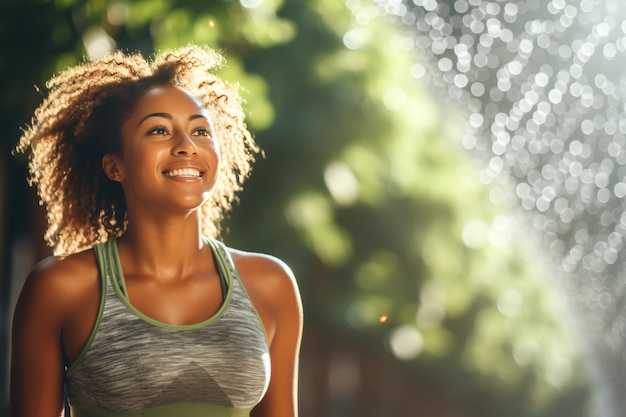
[[169, 116]]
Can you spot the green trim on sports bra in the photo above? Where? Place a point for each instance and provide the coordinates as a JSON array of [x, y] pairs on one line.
[[103, 291], [226, 261], [80, 409], [119, 286]]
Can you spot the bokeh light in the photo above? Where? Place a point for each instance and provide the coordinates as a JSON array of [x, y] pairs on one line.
[[542, 87]]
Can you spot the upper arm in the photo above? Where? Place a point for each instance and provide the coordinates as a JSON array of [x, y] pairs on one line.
[[280, 292], [36, 355]]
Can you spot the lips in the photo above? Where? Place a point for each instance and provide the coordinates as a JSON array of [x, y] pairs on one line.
[[184, 173]]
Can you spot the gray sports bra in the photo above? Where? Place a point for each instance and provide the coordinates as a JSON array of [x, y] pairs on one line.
[[133, 365]]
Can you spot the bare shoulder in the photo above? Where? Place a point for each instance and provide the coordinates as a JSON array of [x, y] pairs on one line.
[[57, 272], [273, 289], [56, 281], [263, 269]]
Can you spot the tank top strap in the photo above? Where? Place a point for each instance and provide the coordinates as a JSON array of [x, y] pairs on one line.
[[106, 255], [223, 258]]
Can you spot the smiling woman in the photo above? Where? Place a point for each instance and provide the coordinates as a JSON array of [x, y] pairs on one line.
[[167, 140], [81, 120], [143, 310]]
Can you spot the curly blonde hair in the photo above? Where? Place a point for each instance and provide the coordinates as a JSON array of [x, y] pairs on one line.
[[81, 118]]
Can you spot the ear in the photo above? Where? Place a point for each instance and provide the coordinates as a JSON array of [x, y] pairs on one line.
[[112, 166]]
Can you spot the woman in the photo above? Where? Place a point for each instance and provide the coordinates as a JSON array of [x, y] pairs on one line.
[[142, 311]]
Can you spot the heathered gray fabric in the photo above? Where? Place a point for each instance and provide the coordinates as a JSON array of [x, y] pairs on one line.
[[134, 363]]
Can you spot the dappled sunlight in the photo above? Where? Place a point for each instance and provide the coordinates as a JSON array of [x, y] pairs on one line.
[[98, 43], [406, 342], [310, 214], [377, 272], [366, 311], [431, 311], [341, 183]]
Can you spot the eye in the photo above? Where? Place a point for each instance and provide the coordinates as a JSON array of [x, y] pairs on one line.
[[159, 130], [202, 131]]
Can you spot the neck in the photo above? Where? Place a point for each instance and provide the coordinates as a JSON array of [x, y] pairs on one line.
[[165, 249]]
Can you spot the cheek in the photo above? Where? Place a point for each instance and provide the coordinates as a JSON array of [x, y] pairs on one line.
[[212, 151], [142, 160]]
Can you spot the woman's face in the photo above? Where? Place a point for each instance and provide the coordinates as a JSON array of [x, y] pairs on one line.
[[170, 155]]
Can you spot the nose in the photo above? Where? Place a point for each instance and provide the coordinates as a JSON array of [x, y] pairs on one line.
[[184, 146]]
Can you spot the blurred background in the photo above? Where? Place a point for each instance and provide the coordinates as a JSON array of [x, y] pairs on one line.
[[425, 293]]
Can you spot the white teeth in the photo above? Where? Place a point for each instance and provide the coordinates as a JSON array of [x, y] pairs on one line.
[[183, 172]]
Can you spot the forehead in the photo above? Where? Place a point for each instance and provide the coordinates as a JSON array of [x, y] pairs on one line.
[[169, 99]]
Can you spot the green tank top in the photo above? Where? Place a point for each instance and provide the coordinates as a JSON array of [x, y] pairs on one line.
[[135, 366]]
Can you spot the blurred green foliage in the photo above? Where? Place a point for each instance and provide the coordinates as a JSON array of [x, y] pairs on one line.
[[363, 190]]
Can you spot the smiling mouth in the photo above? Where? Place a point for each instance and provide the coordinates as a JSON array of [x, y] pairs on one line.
[[184, 173]]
